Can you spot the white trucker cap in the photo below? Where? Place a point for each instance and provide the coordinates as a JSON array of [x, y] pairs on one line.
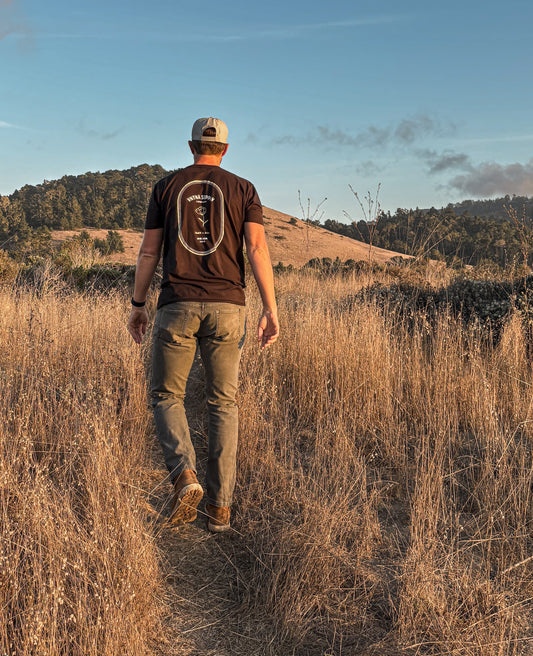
[[221, 130]]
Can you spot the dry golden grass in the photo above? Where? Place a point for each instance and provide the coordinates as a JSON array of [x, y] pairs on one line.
[[386, 481], [78, 569], [384, 497]]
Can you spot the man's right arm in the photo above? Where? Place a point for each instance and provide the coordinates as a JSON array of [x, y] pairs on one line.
[[257, 252], [147, 260]]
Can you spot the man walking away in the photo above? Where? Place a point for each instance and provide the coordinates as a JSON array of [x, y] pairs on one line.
[[202, 216]]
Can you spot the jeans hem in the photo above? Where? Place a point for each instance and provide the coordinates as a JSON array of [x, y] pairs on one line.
[[217, 504]]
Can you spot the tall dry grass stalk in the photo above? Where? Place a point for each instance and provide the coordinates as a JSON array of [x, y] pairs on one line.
[[386, 481], [78, 568]]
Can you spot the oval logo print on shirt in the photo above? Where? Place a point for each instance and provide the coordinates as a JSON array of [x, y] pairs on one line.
[[201, 216]]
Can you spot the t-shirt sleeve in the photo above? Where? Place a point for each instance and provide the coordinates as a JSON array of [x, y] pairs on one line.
[[254, 209], [154, 215]]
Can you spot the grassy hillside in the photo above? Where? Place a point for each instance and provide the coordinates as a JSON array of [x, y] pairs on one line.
[[290, 240]]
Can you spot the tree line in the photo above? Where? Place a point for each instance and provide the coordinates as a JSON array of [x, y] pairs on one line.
[[471, 231], [113, 200], [494, 208], [445, 235]]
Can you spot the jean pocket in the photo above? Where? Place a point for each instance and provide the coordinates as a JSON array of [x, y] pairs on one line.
[[230, 324], [173, 324]]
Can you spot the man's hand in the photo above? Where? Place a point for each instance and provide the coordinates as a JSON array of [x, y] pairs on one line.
[[137, 323], [268, 328]]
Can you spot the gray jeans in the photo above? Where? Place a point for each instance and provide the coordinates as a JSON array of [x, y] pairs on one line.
[[218, 329]]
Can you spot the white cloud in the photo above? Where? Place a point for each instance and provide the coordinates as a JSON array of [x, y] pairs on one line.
[[5, 124]]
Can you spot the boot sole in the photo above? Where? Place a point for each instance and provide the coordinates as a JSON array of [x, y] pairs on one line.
[[185, 511]]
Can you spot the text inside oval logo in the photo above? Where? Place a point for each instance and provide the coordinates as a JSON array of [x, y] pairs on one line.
[[200, 210]]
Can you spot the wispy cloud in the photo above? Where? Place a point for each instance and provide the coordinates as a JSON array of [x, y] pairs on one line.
[[502, 139], [5, 124], [97, 134], [244, 33], [371, 136], [490, 179], [410, 130], [88, 36], [448, 159], [405, 132], [303, 29]]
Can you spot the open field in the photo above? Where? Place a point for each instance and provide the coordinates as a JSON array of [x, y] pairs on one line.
[[290, 243], [384, 496]]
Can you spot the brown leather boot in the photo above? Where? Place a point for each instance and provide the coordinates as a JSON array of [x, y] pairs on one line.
[[217, 518], [187, 495]]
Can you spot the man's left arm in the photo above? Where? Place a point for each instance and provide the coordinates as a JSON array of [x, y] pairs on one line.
[[147, 260], [257, 252]]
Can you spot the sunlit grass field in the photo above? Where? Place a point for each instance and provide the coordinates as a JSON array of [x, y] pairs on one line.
[[78, 567], [384, 494]]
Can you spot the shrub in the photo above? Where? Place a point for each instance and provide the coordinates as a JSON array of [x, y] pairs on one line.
[[281, 268], [103, 277], [8, 267], [113, 243], [488, 303]]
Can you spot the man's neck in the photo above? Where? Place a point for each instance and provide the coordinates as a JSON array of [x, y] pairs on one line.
[[210, 160]]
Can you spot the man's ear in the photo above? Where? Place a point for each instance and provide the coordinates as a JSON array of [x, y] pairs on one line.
[[225, 150], [191, 147]]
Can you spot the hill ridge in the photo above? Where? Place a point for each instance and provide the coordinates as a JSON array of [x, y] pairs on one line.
[[291, 241]]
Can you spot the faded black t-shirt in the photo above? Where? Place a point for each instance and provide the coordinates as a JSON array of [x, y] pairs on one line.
[[203, 209]]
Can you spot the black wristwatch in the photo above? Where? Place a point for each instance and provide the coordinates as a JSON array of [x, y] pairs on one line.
[[135, 304]]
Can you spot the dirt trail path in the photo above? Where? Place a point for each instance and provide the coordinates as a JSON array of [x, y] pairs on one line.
[[203, 586]]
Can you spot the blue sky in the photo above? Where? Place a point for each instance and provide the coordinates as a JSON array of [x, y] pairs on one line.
[[432, 100]]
